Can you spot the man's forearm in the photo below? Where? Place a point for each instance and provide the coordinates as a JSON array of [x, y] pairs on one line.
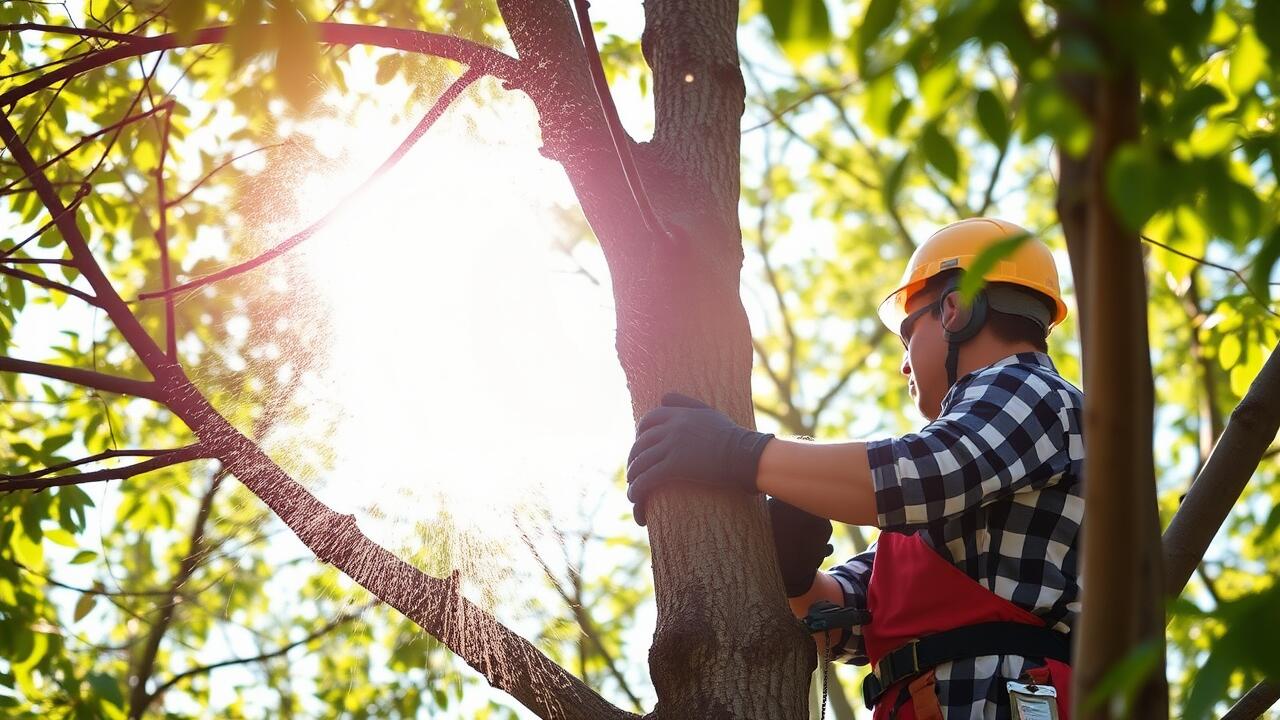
[[826, 588], [830, 480]]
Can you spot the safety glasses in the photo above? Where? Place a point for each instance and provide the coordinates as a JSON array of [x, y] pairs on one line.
[[909, 322]]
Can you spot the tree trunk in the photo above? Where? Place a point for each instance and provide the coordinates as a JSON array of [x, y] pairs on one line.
[[1121, 566], [726, 644]]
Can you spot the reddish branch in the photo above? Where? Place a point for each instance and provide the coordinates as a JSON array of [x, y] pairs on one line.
[[485, 59], [44, 282], [441, 104], [1248, 434], [169, 459], [621, 141], [107, 455], [87, 378], [66, 30], [162, 107]]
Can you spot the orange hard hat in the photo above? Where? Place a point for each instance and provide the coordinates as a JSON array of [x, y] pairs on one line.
[[957, 245]]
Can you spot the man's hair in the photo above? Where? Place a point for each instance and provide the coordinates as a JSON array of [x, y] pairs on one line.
[[1009, 328]]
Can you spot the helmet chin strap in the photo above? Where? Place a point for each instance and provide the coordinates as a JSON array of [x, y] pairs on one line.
[[970, 321]]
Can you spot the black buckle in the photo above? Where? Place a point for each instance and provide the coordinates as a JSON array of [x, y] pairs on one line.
[[824, 615], [897, 665]]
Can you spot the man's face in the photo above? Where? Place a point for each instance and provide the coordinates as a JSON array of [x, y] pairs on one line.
[[924, 362]]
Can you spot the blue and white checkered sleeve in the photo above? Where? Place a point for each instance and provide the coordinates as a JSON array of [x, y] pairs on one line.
[[853, 577], [1005, 431]]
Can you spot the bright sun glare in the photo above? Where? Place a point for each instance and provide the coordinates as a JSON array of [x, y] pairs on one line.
[[471, 372]]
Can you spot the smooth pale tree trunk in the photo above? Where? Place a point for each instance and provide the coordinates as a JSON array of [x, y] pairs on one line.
[[1121, 588], [726, 644]]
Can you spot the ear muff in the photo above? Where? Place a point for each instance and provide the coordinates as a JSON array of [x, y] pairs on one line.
[[969, 318], [966, 324]]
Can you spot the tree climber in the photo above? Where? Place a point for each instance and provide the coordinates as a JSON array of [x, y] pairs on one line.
[[972, 585]]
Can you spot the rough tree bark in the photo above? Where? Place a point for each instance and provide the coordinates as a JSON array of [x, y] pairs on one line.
[[1122, 606], [726, 645]]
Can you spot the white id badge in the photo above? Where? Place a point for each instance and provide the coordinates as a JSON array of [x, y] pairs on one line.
[[1033, 702]]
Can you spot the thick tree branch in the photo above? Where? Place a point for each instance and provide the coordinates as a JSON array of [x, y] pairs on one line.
[[1257, 701], [1249, 432], [86, 378], [486, 59], [437, 109]]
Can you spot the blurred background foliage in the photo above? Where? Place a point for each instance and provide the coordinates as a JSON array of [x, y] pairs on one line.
[[868, 124]]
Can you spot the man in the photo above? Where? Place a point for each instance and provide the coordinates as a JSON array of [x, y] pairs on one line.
[[972, 584]]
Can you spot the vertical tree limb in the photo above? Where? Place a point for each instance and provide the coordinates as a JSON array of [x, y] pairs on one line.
[[1120, 585]]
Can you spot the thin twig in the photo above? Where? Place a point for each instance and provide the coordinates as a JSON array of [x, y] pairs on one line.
[[321, 632], [48, 284], [471, 75], [176, 457], [64, 30], [178, 200], [1201, 261], [99, 457]]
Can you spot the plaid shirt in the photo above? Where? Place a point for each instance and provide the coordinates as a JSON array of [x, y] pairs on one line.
[[993, 485]]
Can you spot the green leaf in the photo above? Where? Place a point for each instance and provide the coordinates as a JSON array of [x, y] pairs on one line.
[[940, 152], [106, 688], [1232, 210], [1266, 16], [187, 16], [84, 556], [388, 66], [297, 58], [84, 606], [1125, 677], [800, 27], [1263, 263], [994, 118], [1131, 183], [893, 181], [1248, 59], [972, 281], [879, 16]]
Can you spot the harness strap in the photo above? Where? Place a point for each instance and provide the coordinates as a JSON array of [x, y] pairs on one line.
[[993, 638]]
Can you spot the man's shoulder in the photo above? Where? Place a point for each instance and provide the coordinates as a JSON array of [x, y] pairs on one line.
[[1027, 376]]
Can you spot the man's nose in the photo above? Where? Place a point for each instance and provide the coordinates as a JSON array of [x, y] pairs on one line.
[[906, 364]]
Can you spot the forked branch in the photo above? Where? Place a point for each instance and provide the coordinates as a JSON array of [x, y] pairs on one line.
[[42, 482]]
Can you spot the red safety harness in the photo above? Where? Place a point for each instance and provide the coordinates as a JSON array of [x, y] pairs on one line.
[[923, 608]]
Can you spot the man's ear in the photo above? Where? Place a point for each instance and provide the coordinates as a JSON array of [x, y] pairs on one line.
[[954, 314], [962, 319]]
